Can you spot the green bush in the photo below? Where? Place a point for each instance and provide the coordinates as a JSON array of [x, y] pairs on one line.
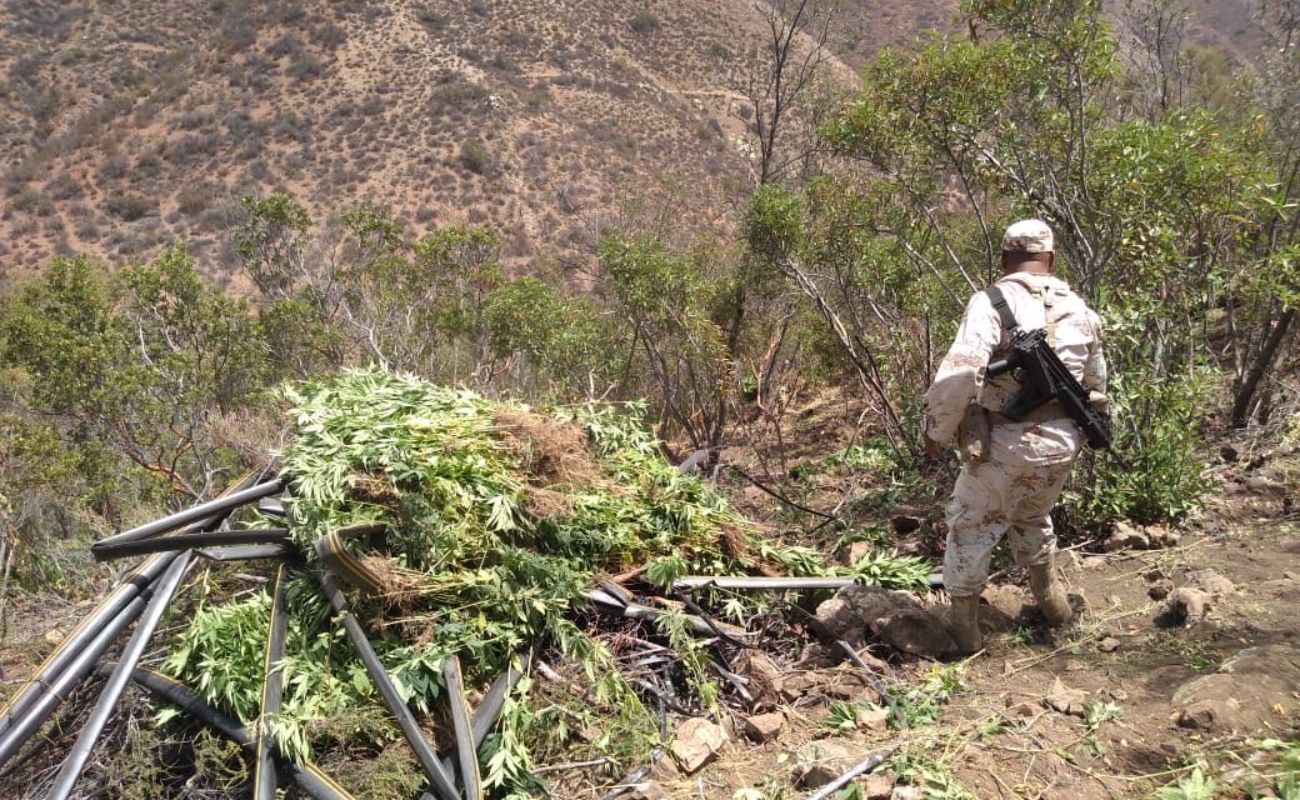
[[129, 207], [1154, 472], [644, 22]]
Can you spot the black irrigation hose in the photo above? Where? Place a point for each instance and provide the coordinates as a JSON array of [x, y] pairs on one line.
[[265, 779], [314, 782], [202, 511], [68, 650], [188, 541], [82, 749], [67, 681], [466, 749], [424, 753]]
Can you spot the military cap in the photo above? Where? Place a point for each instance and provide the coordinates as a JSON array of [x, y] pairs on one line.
[[1028, 236]]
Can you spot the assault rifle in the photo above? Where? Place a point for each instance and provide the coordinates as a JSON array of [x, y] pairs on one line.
[[1043, 378]]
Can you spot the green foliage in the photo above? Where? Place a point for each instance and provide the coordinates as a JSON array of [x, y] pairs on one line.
[[1194, 786], [1095, 713], [933, 778], [923, 705], [486, 572]]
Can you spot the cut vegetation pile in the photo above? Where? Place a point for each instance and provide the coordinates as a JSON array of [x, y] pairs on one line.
[[531, 555]]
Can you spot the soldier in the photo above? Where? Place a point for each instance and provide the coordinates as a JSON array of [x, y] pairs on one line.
[[1012, 472]]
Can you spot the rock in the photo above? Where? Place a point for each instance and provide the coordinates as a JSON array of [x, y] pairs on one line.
[[1264, 485], [1211, 582], [1187, 606], [822, 762], [1206, 716], [858, 551], [873, 719], [856, 611], [697, 743], [878, 785], [1108, 645], [1127, 537], [1064, 700], [907, 793], [903, 524], [665, 771], [764, 727], [795, 685], [55, 636], [918, 633], [1163, 537], [649, 790], [1160, 589], [851, 689], [1245, 694], [1006, 604], [816, 655], [764, 678]]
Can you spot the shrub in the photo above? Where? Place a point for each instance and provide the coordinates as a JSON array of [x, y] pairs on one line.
[[644, 22], [129, 207], [474, 156]]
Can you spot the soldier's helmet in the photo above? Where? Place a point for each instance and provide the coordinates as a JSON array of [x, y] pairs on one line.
[[1028, 236]]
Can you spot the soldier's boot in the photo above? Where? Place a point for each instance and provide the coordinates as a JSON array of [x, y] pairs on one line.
[[964, 624], [1050, 594]]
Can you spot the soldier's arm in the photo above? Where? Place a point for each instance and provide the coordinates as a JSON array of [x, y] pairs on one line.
[[961, 373]]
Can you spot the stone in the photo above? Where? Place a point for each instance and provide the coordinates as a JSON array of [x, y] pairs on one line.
[[1245, 694], [1127, 537], [1064, 700], [1265, 485], [907, 793], [918, 633], [873, 719], [1187, 606], [816, 655], [1108, 645], [822, 762], [55, 636], [858, 551], [1160, 589], [1206, 715], [1006, 604], [1162, 537], [878, 785], [764, 727], [665, 770], [697, 743], [1211, 582], [764, 678], [857, 611]]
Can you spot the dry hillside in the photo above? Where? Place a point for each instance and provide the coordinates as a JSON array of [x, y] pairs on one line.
[[127, 125]]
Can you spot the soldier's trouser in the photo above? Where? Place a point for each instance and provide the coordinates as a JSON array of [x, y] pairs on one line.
[[992, 500]]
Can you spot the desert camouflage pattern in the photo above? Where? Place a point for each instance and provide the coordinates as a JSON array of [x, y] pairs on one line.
[[1028, 236], [1010, 491]]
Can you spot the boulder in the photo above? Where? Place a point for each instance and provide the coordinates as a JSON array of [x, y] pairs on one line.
[[858, 611], [1248, 692], [918, 633], [697, 743], [764, 678]]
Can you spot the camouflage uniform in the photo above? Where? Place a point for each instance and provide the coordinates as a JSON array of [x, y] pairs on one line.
[[1010, 481]]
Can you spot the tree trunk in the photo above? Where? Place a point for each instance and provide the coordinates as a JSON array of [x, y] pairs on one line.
[[1263, 362]]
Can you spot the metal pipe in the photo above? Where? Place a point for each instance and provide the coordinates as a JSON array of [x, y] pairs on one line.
[[309, 777], [66, 780], [774, 584], [90, 625], [466, 751], [248, 552], [866, 765], [187, 541], [23, 728], [195, 513], [264, 777], [424, 753]]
